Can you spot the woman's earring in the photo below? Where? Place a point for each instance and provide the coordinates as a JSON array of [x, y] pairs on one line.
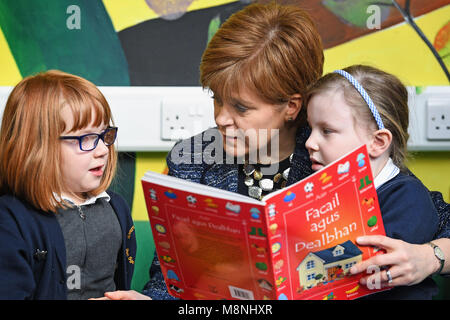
[[290, 119]]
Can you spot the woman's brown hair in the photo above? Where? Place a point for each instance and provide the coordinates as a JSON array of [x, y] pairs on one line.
[[30, 131], [387, 92], [272, 50]]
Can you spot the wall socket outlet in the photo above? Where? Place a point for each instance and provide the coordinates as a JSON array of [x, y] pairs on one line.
[[438, 119], [182, 118]]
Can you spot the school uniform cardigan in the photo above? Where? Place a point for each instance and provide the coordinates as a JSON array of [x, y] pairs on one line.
[[33, 252], [192, 159], [408, 214]]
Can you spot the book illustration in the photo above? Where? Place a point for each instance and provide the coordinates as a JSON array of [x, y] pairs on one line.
[[289, 196], [191, 199], [153, 195], [273, 228], [263, 283], [272, 211], [261, 251], [210, 203], [164, 245], [160, 228], [255, 213], [328, 265], [364, 182], [325, 178], [343, 167], [329, 296], [175, 289], [368, 201], [360, 159], [170, 194], [167, 258], [276, 247], [257, 232], [372, 221], [155, 209], [282, 297], [297, 243], [172, 275], [309, 187], [233, 207]]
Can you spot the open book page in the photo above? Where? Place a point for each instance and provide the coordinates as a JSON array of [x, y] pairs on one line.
[[204, 239], [185, 185], [298, 243], [313, 229]]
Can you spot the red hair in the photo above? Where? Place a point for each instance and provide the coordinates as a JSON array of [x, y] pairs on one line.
[[30, 130], [273, 50]]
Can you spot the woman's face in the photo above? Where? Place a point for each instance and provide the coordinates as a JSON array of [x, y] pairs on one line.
[[248, 124]]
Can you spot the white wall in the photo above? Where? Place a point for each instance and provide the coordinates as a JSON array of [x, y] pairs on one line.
[[152, 118]]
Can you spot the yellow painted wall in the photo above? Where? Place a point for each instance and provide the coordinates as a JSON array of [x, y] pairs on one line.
[[433, 168], [9, 74], [154, 161], [398, 50]]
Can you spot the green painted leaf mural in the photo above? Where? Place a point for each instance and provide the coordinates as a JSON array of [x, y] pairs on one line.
[[76, 38], [213, 26], [355, 12]]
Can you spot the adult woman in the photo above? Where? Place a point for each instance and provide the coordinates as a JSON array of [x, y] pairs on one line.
[[259, 66]]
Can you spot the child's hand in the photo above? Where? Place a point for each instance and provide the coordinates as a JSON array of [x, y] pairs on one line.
[[123, 295]]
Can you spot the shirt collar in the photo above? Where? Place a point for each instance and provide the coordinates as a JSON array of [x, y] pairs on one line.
[[91, 200], [389, 171]]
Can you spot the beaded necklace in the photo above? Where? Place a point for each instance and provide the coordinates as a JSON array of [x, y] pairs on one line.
[[258, 185]]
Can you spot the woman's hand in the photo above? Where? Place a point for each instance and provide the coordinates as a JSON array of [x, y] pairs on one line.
[[123, 295], [407, 263]]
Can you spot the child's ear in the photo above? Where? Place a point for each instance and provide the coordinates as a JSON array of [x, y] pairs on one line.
[[381, 141], [293, 107]]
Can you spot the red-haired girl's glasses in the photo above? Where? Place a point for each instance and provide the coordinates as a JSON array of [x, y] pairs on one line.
[[88, 142]]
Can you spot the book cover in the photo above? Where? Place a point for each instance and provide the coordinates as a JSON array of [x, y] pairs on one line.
[[297, 243]]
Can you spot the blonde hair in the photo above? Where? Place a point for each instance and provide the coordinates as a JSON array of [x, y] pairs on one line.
[[30, 131], [273, 50], [389, 96]]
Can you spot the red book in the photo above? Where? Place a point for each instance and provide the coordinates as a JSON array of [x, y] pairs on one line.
[[297, 243]]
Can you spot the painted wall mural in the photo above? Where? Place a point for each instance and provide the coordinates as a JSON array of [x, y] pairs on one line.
[[40, 37], [138, 42], [160, 42]]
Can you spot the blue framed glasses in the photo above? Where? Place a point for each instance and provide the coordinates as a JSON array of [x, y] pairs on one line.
[[88, 142]]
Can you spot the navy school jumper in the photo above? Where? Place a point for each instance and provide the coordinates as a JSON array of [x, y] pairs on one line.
[[33, 253]]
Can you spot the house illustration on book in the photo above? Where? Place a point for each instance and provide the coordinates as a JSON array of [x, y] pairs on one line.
[[328, 265]]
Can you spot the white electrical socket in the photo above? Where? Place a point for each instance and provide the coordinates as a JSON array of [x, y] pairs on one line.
[[182, 118], [438, 119]]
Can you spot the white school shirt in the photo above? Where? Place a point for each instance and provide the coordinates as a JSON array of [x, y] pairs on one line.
[[91, 200], [389, 171]]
